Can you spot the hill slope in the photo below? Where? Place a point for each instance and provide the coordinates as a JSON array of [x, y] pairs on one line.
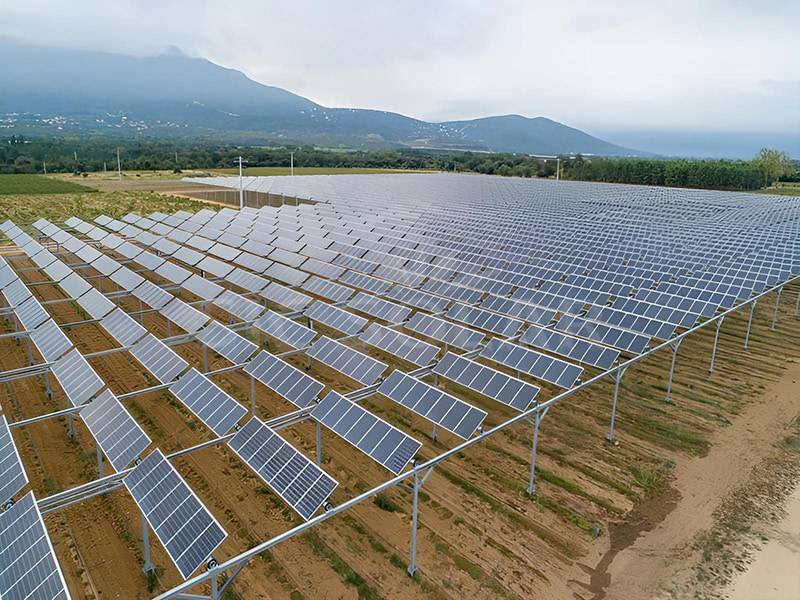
[[76, 91]]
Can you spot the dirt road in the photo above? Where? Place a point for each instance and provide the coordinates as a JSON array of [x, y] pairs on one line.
[[651, 555]]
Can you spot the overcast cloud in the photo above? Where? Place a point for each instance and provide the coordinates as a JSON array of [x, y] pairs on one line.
[[712, 65]]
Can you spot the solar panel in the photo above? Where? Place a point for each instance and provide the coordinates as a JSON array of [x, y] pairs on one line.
[[215, 408], [287, 275], [186, 528], [31, 314], [126, 279], [344, 359], [541, 366], [291, 299], [116, 431], [28, 565], [449, 290], [365, 282], [283, 379], [184, 316], [122, 327], [399, 344], [321, 268], [383, 443], [245, 309], [172, 272], [605, 334], [95, 303], [201, 287], [286, 330], [50, 340], [227, 343], [566, 345], [12, 475], [77, 377], [441, 408], [521, 310], [152, 295], [157, 358], [379, 308], [483, 319], [335, 317], [17, 292], [677, 317], [327, 289], [449, 333], [296, 479], [246, 280], [631, 322], [487, 381]]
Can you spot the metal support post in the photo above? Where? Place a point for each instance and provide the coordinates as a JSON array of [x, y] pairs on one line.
[[48, 390], [214, 587], [141, 313], [169, 328], [100, 461], [434, 436], [412, 564], [71, 432], [319, 444], [749, 323], [714, 349], [796, 306], [149, 567], [308, 366], [31, 362], [531, 484], [205, 358], [777, 302], [253, 395], [617, 378], [674, 347], [100, 285]]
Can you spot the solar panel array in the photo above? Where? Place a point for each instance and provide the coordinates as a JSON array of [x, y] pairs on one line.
[[344, 359], [28, 565], [219, 411], [12, 475], [284, 379]]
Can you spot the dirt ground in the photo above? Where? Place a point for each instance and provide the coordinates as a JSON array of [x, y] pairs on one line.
[[480, 535]]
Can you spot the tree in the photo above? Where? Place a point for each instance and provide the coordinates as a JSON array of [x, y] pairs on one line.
[[773, 164]]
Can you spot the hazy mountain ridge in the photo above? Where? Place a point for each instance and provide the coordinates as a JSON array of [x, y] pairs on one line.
[[76, 91]]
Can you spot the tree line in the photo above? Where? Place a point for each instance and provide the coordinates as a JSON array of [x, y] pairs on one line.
[[80, 155]]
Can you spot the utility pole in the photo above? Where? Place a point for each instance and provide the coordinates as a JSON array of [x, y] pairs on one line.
[[119, 165], [44, 164], [177, 166], [291, 154], [241, 188]]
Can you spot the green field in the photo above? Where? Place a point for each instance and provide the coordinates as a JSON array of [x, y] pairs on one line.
[[783, 189], [38, 184], [25, 208], [253, 171]]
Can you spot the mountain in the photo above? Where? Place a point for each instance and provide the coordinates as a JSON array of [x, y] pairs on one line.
[[49, 90]]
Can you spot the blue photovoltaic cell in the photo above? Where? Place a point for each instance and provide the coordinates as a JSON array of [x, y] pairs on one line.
[[283, 379], [28, 565], [487, 381], [77, 377], [335, 317], [566, 345], [382, 442], [399, 344], [295, 478], [344, 359], [541, 366], [12, 475], [186, 528], [432, 403], [284, 329], [157, 358], [215, 408], [444, 331], [227, 343], [116, 431]]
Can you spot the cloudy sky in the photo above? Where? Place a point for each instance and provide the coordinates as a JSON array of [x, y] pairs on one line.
[[612, 65]]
